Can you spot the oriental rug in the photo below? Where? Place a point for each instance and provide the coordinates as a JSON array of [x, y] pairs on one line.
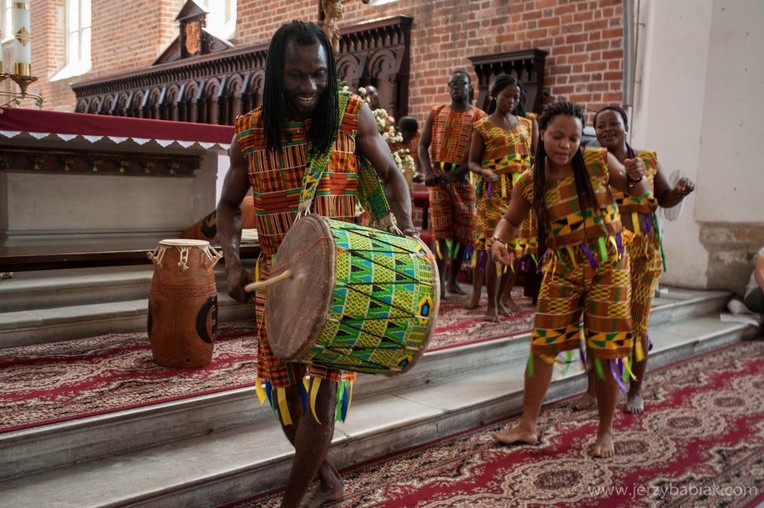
[[59, 381], [700, 443]]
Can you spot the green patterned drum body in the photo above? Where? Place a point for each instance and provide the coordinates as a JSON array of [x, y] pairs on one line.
[[359, 299]]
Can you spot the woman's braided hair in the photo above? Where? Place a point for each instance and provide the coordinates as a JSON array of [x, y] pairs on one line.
[[586, 196]]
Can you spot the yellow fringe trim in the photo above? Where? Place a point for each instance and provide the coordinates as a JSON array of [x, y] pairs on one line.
[[257, 269], [639, 351], [260, 391], [551, 360], [635, 223], [627, 366], [286, 418], [315, 383]]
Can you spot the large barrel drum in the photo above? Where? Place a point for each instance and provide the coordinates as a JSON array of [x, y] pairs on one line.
[[355, 298], [183, 303]]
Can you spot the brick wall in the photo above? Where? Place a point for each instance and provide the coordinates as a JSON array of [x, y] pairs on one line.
[[583, 38]]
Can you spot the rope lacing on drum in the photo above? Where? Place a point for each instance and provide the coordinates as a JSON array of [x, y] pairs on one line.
[[183, 263], [157, 255]]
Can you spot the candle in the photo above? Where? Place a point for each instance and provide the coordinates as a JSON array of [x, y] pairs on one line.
[[22, 39]]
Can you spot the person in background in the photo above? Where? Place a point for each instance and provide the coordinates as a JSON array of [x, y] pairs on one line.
[[754, 292], [372, 97], [586, 270], [303, 113], [500, 151], [638, 216], [443, 154]]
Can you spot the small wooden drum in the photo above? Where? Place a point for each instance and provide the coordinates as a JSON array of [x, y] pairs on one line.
[[183, 303], [358, 299]]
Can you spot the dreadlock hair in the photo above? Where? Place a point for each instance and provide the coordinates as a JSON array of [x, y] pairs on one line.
[[629, 151], [586, 197], [324, 129], [501, 82]]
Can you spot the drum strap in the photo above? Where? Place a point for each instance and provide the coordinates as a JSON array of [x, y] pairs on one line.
[[370, 192]]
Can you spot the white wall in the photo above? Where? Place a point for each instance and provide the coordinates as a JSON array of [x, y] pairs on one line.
[[697, 103], [733, 132], [668, 114]]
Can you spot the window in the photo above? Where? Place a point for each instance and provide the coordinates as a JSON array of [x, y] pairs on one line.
[[381, 2], [221, 17], [77, 43], [6, 21]]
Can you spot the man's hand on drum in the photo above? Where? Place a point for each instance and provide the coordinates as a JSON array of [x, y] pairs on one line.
[[237, 279], [500, 253]]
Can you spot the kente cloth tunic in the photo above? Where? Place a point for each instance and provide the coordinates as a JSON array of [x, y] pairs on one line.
[[645, 251], [277, 180], [584, 269], [507, 152], [453, 205]]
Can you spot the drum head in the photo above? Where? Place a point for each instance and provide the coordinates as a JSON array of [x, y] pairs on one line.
[[296, 309]]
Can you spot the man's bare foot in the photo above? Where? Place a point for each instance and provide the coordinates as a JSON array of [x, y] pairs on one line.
[[503, 311], [516, 435], [584, 402], [454, 288], [491, 316], [322, 494], [635, 404], [603, 446]]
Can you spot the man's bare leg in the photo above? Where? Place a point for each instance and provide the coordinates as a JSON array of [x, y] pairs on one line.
[[491, 283], [588, 400], [607, 391], [456, 265], [311, 441], [509, 279], [533, 396], [477, 287], [441, 262], [634, 402]]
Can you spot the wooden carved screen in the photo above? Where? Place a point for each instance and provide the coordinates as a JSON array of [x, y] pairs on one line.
[[215, 88]]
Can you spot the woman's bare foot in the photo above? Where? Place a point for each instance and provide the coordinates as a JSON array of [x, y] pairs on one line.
[[491, 316], [584, 402], [516, 435], [635, 404], [603, 446]]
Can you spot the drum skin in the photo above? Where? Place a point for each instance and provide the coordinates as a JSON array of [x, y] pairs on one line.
[[359, 299], [183, 305]]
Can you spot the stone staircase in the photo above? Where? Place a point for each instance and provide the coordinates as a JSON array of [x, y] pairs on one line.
[[215, 449], [49, 305]]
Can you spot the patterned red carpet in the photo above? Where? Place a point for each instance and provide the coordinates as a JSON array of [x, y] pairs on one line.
[[60, 381], [700, 443]]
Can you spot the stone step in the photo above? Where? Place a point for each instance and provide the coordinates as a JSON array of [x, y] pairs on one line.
[[25, 327], [226, 465], [119, 432], [45, 289], [53, 305]]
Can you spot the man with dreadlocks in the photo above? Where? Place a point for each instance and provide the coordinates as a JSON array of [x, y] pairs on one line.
[[645, 251], [304, 118], [453, 203], [584, 265]]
